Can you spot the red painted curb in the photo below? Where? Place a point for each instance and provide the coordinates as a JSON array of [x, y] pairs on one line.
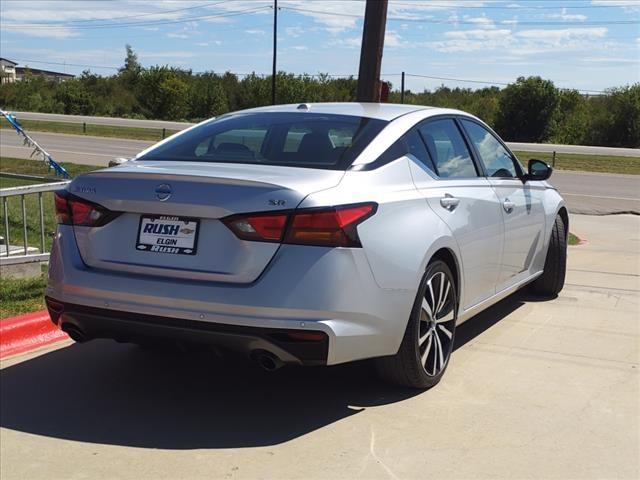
[[28, 332]]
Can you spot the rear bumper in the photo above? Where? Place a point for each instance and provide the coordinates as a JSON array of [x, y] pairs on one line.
[[304, 289], [95, 323]]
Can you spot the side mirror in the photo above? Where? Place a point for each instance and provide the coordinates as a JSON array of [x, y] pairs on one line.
[[118, 161], [538, 170]]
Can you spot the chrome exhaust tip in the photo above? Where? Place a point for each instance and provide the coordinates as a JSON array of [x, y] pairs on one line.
[[267, 361], [76, 334]]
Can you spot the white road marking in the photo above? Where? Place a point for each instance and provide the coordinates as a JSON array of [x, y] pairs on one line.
[[63, 151], [600, 196]]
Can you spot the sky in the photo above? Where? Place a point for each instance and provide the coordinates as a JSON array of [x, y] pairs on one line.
[[589, 45]]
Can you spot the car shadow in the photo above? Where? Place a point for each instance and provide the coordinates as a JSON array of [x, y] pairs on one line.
[[110, 393], [486, 319]]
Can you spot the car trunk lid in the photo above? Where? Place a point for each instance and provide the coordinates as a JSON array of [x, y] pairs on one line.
[[157, 198]]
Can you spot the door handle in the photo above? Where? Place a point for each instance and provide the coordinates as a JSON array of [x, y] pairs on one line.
[[508, 205], [449, 202]]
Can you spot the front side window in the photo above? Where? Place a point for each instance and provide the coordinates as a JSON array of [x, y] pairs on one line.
[[448, 149], [496, 159], [300, 139]]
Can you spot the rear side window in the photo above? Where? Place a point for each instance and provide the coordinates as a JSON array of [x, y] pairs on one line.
[[296, 139], [448, 149], [496, 159], [409, 144]]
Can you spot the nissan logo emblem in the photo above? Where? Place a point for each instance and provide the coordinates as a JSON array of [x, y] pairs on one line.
[[163, 192]]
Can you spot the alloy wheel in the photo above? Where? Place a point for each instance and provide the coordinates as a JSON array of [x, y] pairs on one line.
[[437, 323]]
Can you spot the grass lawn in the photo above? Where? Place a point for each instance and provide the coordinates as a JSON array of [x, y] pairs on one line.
[[586, 163], [36, 167], [573, 240], [134, 133], [22, 295]]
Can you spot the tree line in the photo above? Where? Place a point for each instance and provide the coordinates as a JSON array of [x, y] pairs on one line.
[[529, 110]]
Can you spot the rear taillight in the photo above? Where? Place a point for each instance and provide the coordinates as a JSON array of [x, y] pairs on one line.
[[72, 210], [334, 227], [330, 227], [259, 227], [63, 215]]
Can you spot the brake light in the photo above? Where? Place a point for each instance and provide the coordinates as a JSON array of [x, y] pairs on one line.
[[330, 227], [333, 227], [259, 227], [72, 210], [63, 215]]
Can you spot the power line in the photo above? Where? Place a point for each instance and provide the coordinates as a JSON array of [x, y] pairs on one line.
[[156, 33], [233, 13], [485, 82], [465, 22], [320, 75], [513, 7], [69, 64], [204, 5], [456, 79]]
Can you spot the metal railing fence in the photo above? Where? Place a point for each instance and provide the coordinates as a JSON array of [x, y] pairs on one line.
[[8, 256]]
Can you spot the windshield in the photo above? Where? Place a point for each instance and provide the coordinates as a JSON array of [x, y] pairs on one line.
[[302, 139]]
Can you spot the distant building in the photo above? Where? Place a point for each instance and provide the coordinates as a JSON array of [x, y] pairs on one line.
[[21, 73], [7, 70]]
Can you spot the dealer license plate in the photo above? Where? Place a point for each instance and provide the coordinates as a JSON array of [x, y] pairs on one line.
[[167, 234]]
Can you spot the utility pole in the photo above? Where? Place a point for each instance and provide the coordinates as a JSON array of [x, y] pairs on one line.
[[375, 19], [275, 48]]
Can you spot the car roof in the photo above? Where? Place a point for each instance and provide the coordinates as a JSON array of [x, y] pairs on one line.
[[382, 111]]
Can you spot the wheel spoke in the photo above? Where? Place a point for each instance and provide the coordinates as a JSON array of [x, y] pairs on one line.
[[444, 330], [435, 355], [447, 318], [427, 308], [439, 350], [425, 355], [423, 338], [443, 299], [440, 294], [433, 298]]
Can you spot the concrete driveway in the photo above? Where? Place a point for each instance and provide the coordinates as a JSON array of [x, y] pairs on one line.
[[535, 390]]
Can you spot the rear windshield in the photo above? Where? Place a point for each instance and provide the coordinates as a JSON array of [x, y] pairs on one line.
[[302, 139]]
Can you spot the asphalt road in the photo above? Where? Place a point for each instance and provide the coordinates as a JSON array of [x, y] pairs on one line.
[[590, 193], [72, 148], [127, 122], [574, 149], [598, 193], [535, 390], [113, 121]]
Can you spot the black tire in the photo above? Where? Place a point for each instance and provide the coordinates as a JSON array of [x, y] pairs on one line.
[[412, 366], [550, 283]]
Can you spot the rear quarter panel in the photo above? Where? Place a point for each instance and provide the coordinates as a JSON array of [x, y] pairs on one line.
[[403, 235]]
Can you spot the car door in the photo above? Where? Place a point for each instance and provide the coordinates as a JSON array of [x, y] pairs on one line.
[[445, 173], [521, 204]]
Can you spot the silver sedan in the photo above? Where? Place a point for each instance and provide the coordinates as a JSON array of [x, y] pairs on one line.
[[311, 234]]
